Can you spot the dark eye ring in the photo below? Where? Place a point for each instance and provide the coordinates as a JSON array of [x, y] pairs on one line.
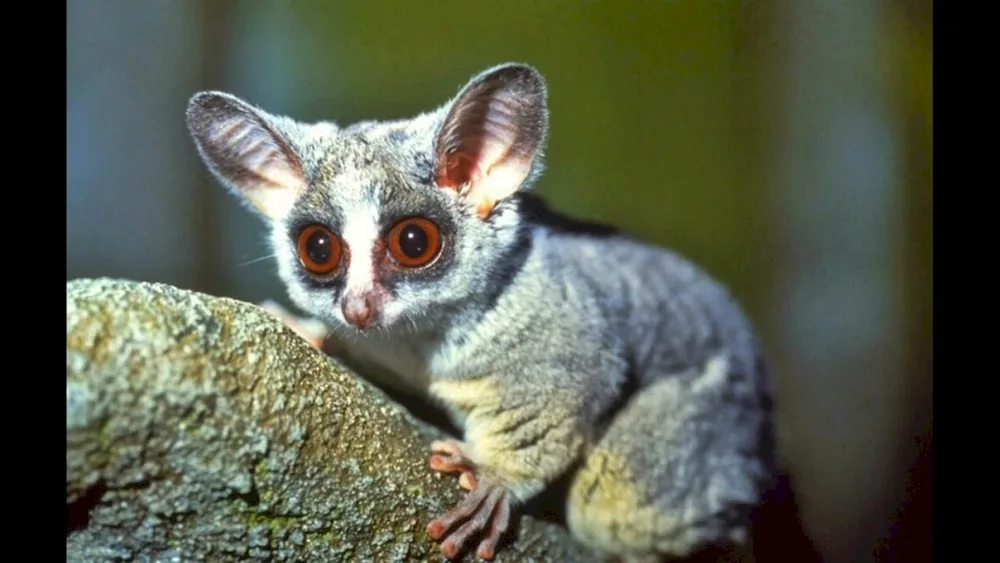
[[414, 242]]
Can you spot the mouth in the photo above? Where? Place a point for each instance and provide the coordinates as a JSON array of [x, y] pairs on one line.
[[361, 326], [364, 325]]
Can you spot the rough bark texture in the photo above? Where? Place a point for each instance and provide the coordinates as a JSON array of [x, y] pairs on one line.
[[200, 428]]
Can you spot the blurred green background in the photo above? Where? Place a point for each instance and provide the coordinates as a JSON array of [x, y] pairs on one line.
[[786, 146]]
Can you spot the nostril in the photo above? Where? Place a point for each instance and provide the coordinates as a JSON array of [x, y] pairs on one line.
[[359, 310]]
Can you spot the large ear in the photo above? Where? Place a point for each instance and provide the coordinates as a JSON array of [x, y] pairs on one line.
[[245, 150], [492, 135]]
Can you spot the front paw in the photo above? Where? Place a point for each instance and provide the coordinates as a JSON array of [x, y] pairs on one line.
[[312, 330], [486, 511]]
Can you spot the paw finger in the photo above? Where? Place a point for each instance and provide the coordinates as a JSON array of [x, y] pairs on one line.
[[456, 540], [439, 526], [272, 306], [480, 518], [487, 548], [447, 464], [498, 525]]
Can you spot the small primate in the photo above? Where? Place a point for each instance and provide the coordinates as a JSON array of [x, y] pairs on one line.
[[559, 348]]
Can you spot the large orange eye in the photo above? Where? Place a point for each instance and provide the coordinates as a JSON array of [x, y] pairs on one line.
[[414, 242], [319, 250]]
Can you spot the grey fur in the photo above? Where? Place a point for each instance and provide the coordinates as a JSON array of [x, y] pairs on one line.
[[563, 322]]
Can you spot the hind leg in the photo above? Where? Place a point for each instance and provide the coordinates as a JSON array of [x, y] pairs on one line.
[[673, 474]]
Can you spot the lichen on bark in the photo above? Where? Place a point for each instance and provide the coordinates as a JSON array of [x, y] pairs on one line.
[[200, 428]]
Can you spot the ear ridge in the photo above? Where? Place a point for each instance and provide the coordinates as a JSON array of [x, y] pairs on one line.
[[241, 146], [491, 138]]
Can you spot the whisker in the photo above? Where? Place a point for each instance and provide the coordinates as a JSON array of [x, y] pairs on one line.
[[255, 260]]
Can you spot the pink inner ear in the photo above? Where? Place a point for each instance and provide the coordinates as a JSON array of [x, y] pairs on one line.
[[479, 135], [474, 159], [254, 155], [456, 171]]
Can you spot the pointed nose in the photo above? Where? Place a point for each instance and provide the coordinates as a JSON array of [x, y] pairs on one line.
[[360, 310]]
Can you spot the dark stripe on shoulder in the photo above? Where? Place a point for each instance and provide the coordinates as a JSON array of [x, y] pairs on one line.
[[535, 210]]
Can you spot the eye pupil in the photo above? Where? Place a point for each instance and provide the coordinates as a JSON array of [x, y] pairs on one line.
[[318, 247], [413, 241]]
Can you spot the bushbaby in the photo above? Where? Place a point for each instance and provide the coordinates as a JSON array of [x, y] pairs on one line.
[[557, 346]]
